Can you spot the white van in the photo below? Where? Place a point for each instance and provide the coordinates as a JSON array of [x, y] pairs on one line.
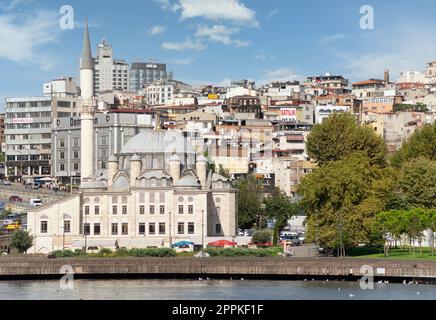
[[36, 202]]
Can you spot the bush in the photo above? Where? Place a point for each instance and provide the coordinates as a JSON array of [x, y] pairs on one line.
[[243, 252], [105, 252], [262, 236], [22, 241]]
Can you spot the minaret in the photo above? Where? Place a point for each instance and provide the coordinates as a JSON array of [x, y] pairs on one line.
[[87, 110]]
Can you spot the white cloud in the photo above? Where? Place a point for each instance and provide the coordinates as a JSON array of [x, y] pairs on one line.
[[408, 48], [183, 62], [224, 10], [23, 38], [281, 74], [188, 44], [272, 13], [221, 34], [167, 5], [13, 4], [225, 83], [262, 56], [156, 30], [334, 37]]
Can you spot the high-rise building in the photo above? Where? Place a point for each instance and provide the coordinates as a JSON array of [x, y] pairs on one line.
[[110, 74], [142, 73], [28, 133]]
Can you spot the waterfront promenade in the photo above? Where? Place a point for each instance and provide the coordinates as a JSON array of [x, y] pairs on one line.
[[249, 268]]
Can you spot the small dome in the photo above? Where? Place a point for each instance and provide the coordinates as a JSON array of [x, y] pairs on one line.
[[112, 158], [187, 181], [202, 158], [135, 158], [175, 157]]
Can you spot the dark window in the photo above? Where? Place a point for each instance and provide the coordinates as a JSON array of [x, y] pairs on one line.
[[162, 209], [97, 229], [180, 209], [191, 228], [151, 209], [67, 226], [114, 209], [97, 210], [218, 229], [151, 228], [114, 229], [162, 228], [125, 229], [180, 228], [141, 209], [87, 210], [142, 228], [190, 209], [124, 208], [87, 229]]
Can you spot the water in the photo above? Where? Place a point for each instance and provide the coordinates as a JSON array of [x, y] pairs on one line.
[[211, 290]]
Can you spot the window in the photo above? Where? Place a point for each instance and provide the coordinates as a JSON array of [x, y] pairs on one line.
[[141, 209], [86, 229], [75, 166], [151, 209], [162, 209], [125, 229], [87, 210], [162, 228], [62, 143], [97, 229], [180, 209], [180, 228], [218, 229], [191, 228], [62, 167], [44, 226], [124, 210], [97, 210], [190, 209], [76, 155], [141, 229], [67, 226], [114, 229], [114, 209], [151, 228], [62, 155]]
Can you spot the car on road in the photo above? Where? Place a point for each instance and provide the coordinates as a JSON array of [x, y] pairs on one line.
[[36, 202], [13, 226], [7, 183], [33, 185], [15, 199]]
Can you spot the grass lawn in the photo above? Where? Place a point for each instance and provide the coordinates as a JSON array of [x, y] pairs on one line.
[[406, 254]]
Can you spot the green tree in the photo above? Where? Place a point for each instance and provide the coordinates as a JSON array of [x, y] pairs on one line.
[[262, 236], [278, 207], [5, 213], [223, 172], [341, 200], [250, 192], [417, 183], [22, 241], [339, 136], [421, 144]]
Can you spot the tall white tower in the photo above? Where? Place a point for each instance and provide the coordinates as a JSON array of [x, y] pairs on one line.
[[87, 111]]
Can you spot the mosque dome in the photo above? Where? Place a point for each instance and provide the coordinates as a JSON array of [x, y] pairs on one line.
[[158, 141]]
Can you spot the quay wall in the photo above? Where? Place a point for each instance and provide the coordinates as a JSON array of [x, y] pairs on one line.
[[250, 268]]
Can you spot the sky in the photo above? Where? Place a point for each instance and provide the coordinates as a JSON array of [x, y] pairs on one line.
[[216, 41]]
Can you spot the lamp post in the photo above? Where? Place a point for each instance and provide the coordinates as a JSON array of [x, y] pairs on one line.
[[202, 232], [171, 240]]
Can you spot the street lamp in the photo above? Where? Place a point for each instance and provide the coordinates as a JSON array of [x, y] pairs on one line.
[[171, 240], [202, 232]]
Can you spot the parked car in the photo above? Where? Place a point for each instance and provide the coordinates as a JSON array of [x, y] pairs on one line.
[[36, 202], [15, 199], [13, 226], [7, 183]]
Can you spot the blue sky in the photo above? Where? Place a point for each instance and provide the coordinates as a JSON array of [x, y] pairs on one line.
[[214, 41]]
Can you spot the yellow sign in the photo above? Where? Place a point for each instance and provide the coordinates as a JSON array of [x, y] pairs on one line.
[[212, 96]]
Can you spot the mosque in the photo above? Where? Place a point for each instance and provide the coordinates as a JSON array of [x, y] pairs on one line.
[[157, 191]]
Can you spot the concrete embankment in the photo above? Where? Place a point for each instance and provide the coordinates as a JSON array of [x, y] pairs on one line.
[[248, 268]]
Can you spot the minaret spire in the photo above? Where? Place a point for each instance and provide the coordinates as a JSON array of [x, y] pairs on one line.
[[86, 61]]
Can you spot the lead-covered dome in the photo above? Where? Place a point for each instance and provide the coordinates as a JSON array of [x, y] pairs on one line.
[[158, 141]]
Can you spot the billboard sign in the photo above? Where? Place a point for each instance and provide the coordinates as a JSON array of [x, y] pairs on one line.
[[288, 114], [22, 120]]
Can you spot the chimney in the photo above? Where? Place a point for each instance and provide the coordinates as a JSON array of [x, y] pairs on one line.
[[175, 168], [386, 78], [112, 170], [201, 166], [135, 169]]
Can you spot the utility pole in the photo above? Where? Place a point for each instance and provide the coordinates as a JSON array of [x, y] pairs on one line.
[[202, 232]]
